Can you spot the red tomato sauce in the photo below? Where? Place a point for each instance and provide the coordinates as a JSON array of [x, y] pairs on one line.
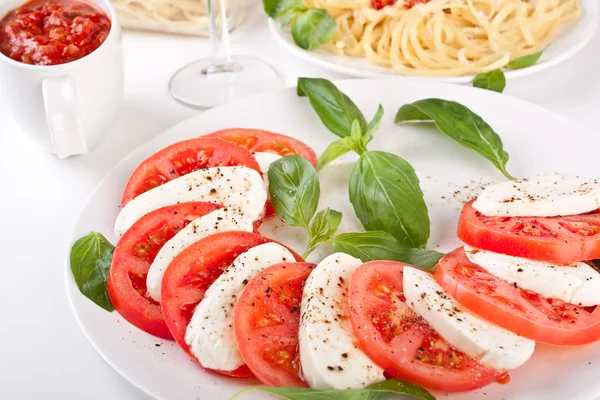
[[51, 32], [379, 4]]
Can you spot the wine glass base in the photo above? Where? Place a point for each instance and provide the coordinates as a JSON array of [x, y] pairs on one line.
[[202, 85]]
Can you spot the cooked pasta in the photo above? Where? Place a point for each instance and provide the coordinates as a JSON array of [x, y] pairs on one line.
[[182, 16], [444, 37]]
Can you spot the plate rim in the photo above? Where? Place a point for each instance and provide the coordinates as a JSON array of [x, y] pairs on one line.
[[71, 287], [592, 9]]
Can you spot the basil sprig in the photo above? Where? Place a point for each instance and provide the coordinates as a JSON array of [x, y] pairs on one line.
[[460, 124], [90, 261], [496, 81], [525, 61], [493, 80], [379, 245], [385, 192], [378, 391], [295, 192], [384, 188], [311, 27]]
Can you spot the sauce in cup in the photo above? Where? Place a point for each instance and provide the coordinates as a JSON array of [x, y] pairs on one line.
[[51, 32]]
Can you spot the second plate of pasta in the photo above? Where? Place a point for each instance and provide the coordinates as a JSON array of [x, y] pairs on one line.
[[447, 40]]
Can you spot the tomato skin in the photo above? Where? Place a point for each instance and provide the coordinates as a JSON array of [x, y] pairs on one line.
[[552, 243], [400, 341], [182, 158], [264, 141], [133, 257], [273, 295], [547, 321], [190, 274]]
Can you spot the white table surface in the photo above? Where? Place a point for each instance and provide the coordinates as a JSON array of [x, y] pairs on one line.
[[43, 353]]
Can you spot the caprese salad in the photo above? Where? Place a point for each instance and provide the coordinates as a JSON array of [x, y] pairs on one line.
[[191, 266]]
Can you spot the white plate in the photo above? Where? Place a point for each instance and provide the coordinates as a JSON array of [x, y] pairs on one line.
[[536, 139], [568, 41]]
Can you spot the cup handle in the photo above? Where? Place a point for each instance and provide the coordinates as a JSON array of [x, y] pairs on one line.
[[62, 115]]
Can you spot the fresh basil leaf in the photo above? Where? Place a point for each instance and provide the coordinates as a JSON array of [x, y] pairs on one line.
[[334, 108], [524, 61], [276, 8], [378, 391], [334, 151], [493, 80], [313, 28], [379, 245], [90, 261], [374, 124], [460, 124], [323, 226], [357, 141], [385, 193], [294, 188]]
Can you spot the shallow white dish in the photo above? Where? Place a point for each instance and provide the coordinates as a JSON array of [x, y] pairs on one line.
[[568, 42], [536, 139]]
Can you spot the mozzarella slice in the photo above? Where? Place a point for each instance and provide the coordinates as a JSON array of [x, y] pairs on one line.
[[264, 161], [540, 196], [210, 333], [577, 283], [221, 220], [240, 188], [329, 358], [492, 346]]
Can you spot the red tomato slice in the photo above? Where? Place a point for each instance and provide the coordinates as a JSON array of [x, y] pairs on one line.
[[554, 239], [526, 313], [265, 141], [182, 158], [266, 321], [134, 255], [400, 341], [193, 271]]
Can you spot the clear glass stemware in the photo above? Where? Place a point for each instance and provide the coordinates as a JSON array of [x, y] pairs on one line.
[[222, 78]]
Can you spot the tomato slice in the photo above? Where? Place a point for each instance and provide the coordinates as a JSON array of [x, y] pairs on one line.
[[133, 256], [524, 312], [266, 321], [265, 141], [193, 271], [400, 341], [554, 239], [182, 158]]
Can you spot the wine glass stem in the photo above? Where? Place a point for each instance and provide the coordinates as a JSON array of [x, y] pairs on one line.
[[219, 36]]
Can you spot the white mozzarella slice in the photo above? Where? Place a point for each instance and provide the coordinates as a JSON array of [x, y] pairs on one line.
[[329, 358], [221, 220], [492, 346], [540, 196], [239, 188], [210, 333], [264, 161], [577, 283]]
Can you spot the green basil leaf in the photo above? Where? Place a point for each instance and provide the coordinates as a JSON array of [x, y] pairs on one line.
[[334, 108], [460, 124], [493, 80], [323, 226], [379, 245], [90, 261], [385, 193], [276, 8], [334, 151], [294, 188], [313, 28], [524, 61], [378, 391], [374, 124]]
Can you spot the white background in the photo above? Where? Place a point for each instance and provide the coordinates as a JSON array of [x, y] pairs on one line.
[[43, 354]]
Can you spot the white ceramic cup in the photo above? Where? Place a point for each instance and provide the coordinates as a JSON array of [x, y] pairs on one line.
[[67, 109]]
